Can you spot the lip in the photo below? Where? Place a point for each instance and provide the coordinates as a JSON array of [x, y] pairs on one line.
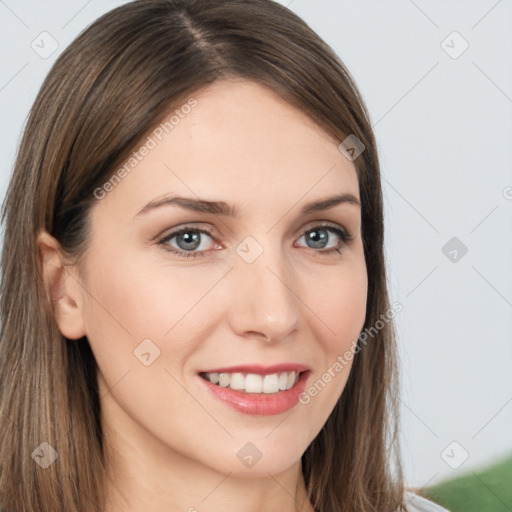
[[262, 404]]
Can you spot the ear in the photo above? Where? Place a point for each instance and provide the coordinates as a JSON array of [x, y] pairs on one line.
[[62, 286]]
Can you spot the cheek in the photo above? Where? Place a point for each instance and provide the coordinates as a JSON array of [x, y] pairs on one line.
[[134, 300], [338, 298]]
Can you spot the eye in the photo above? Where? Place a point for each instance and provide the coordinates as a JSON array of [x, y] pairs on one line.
[[318, 238], [188, 239]]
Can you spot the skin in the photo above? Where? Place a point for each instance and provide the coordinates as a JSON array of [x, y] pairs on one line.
[[172, 446]]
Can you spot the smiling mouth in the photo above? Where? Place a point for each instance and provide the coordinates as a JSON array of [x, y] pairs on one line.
[[254, 383]]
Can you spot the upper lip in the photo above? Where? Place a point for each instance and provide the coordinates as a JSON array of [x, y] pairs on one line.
[[259, 369]]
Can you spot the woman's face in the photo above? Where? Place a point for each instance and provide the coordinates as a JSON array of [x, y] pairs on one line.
[[232, 294]]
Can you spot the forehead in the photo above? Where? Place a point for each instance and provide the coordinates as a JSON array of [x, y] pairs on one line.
[[235, 139]]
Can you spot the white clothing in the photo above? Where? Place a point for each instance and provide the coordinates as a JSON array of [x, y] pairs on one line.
[[416, 503]]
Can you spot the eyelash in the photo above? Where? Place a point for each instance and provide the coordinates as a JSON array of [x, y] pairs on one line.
[[344, 235]]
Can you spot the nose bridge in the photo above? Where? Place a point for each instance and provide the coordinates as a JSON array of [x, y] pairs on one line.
[[263, 298]]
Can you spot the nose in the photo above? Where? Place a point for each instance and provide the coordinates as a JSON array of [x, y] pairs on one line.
[[263, 301]]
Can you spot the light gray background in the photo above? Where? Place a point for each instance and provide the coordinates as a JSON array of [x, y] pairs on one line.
[[444, 130]]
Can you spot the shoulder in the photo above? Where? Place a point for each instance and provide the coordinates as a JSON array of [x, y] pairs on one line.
[[416, 503]]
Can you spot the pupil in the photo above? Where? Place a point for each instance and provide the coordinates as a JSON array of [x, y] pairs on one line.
[[190, 239], [318, 237]]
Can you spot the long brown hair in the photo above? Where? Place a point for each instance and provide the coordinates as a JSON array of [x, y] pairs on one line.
[[104, 93]]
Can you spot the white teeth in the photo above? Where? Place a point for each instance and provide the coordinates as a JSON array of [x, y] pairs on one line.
[[283, 381], [237, 381], [291, 380], [254, 383], [224, 380], [271, 383]]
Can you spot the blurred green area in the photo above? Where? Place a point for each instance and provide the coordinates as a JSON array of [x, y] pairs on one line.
[[485, 490]]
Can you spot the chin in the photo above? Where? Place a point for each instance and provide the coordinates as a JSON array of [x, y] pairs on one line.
[[257, 460]]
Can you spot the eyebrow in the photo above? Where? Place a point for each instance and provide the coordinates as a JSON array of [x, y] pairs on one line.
[[223, 208]]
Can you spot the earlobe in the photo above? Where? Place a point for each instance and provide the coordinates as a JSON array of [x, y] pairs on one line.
[[62, 287]]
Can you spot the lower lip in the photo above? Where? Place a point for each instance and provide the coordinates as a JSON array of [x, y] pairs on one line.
[[263, 404]]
